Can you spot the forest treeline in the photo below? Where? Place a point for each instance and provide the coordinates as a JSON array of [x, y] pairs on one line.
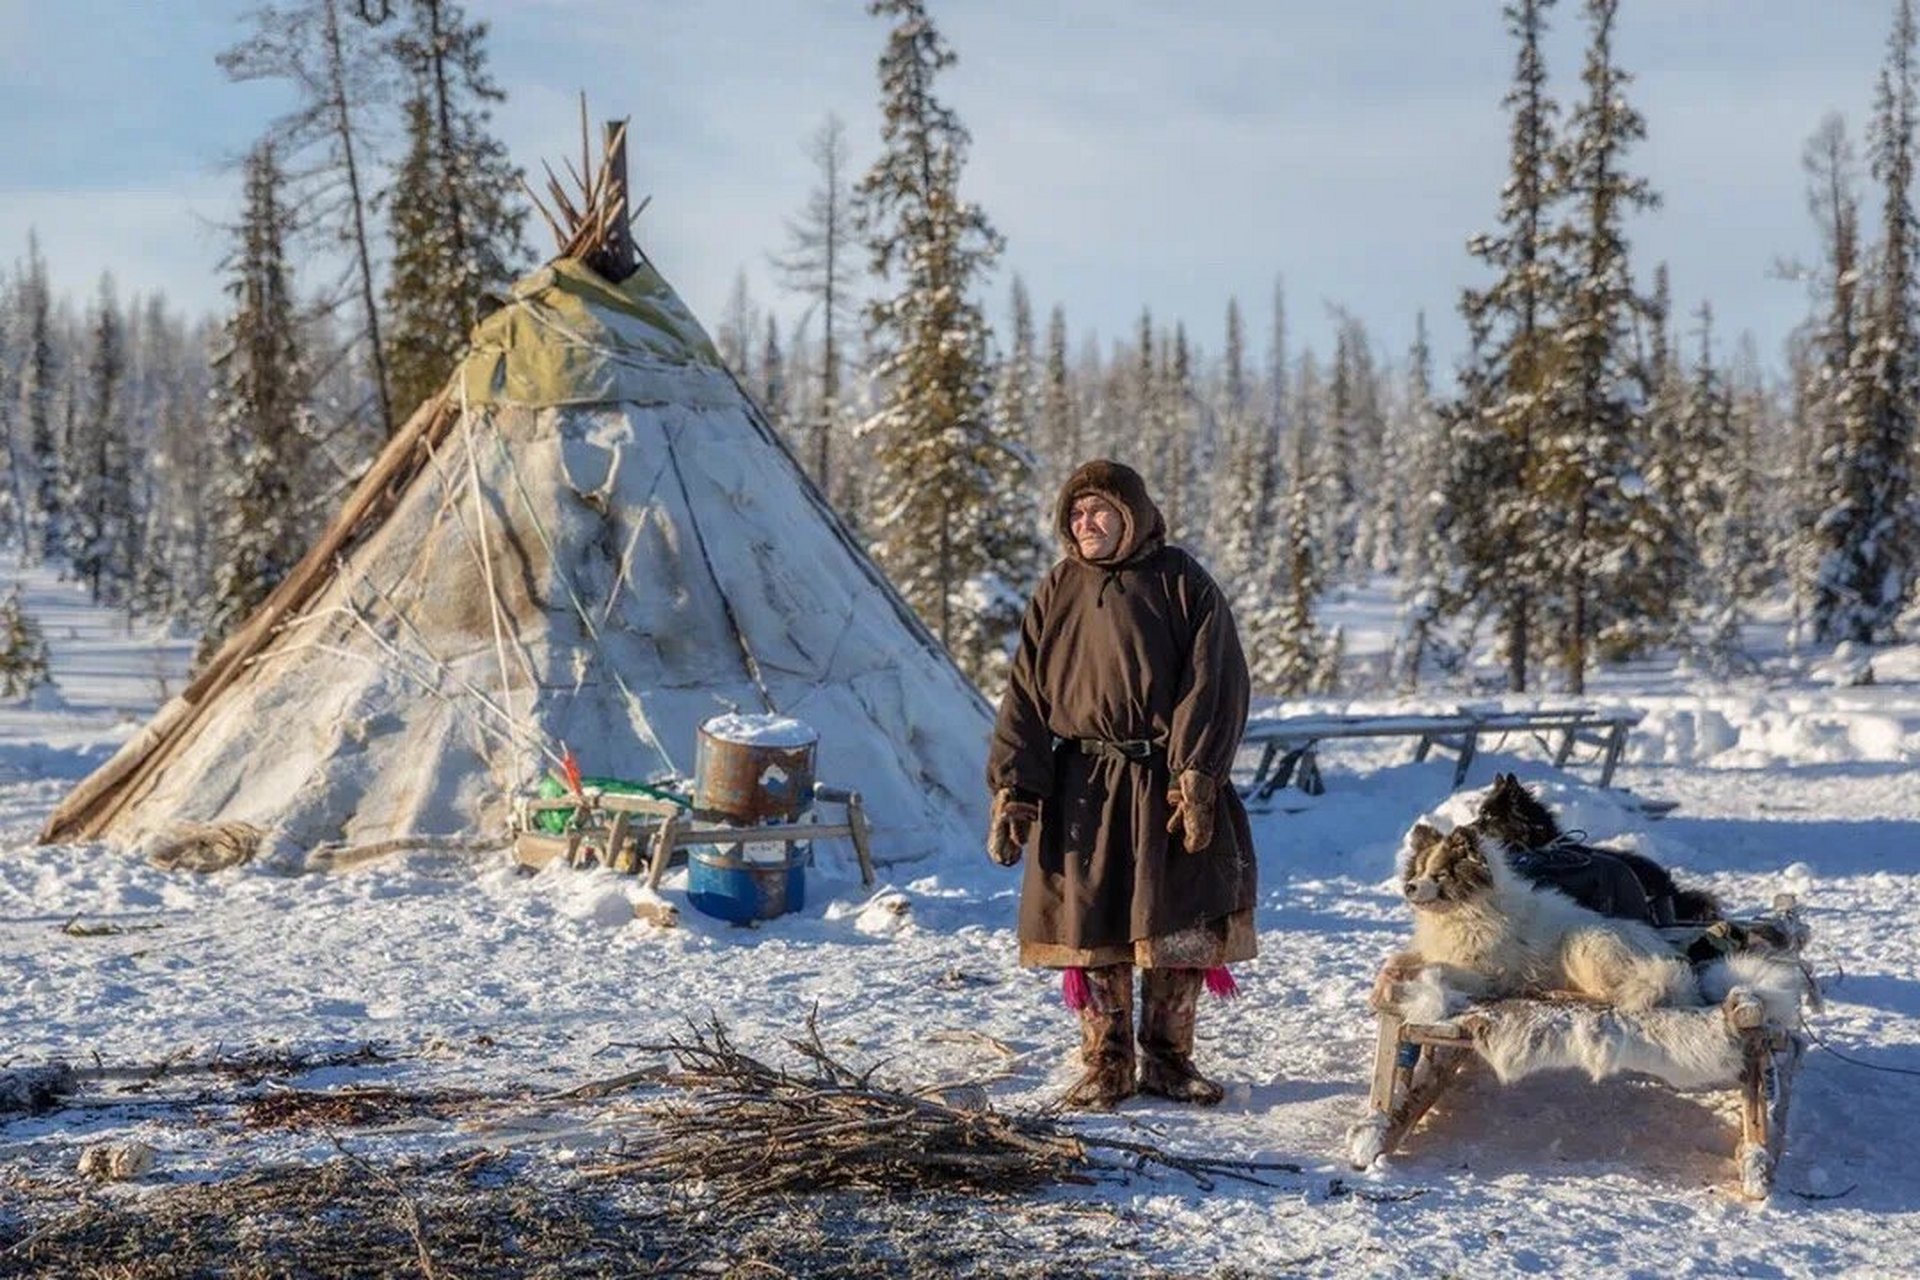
[[1603, 471]]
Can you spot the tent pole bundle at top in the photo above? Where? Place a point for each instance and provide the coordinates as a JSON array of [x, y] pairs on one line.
[[589, 539]]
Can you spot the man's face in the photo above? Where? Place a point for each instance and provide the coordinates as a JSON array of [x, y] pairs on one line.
[[1095, 525]]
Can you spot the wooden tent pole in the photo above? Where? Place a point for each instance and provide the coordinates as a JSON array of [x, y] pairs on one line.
[[619, 254], [92, 805]]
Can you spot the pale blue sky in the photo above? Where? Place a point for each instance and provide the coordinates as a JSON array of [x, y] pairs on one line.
[[1132, 152]]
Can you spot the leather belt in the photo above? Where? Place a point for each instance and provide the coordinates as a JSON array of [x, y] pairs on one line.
[[1137, 750]]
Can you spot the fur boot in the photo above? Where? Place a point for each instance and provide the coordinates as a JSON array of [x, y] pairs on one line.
[[1169, 1002], [1106, 1041]]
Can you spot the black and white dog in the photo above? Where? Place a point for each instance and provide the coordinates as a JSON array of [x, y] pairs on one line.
[[1613, 882]]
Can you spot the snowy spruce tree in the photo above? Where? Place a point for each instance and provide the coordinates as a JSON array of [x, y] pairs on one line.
[[331, 54], [1280, 418], [1240, 520], [1014, 390], [1867, 527], [457, 224], [1295, 660], [739, 325], [952, 519], [1591, 478], [1498, 422], [1821, 363], [1248, 545], [1059, 423], [1178, 438], [23, 649], [99, 497], [1674, 466], [262, 416], [1341, 446], [13, 488], [1713, 513], [35, 384], [772, 388], [1426, 560]]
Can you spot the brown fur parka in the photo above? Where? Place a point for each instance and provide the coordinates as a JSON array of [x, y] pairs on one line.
[[1138, 647]]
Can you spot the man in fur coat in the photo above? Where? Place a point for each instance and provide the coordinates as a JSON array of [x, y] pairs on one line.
[[1123, 711]]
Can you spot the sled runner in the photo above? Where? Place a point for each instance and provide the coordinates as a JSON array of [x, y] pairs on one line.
[[1750, 1041]]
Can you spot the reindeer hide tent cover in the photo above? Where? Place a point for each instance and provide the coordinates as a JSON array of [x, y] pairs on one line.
[[590, 539]]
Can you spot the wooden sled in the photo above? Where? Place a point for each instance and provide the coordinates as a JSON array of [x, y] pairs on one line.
[[630, 832], [1414, 1064]]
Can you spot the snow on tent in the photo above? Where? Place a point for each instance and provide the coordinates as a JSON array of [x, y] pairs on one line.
[[590, 540]]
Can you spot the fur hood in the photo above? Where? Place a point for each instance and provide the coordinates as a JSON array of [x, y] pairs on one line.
[[1143, 529]]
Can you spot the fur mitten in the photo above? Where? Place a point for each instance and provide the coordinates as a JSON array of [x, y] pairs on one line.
[[1010, 826], [1193, 801]]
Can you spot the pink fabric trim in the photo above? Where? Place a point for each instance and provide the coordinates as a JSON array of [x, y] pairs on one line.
[[1074, 989]]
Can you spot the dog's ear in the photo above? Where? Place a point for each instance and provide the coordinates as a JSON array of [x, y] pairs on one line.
[[1467, 843], [1504, 783], [1423, 837]]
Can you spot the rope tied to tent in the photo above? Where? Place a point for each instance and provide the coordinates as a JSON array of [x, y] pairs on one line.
[[495, 607]]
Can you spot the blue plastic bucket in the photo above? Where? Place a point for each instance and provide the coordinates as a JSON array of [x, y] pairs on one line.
[[723, 884]]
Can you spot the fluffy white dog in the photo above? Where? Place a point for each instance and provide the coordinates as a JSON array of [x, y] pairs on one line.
[[1481, 931]]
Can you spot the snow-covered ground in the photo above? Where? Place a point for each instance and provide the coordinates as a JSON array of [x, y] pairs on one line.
[[472, 975]]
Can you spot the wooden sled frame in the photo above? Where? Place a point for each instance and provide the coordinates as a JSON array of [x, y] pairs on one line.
[[609, 829], [1414, 1064]]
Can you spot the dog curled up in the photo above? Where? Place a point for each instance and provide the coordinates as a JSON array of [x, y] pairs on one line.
[[1614, 882], [1481, 931]]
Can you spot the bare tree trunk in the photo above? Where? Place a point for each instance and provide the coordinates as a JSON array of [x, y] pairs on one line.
[[343, 123], [830, 368], [1517, 638], [1577, 616], [443, 104], [946, 577]]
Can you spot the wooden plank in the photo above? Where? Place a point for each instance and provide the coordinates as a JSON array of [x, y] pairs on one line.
[[861, 834], [617, 855], [1386, 1050], [1465, 760], [686, 833], [534, 850], [1443, 1068], [1308, 774], [1565, 749], [1268, 753], [662, 849], [1754, 1155], [1615, 747], [1784, 1074], [1283, 772], [613, 802]]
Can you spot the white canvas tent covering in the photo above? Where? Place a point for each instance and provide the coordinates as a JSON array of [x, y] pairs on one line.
[[591, 540]]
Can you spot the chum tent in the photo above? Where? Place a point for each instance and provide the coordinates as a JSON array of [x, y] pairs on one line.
[[590, 540]]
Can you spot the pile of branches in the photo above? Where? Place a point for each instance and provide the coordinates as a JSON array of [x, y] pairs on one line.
[[343, 1218], [352, 1108], [489, 1216], [747, 1130], [49, 1086]]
